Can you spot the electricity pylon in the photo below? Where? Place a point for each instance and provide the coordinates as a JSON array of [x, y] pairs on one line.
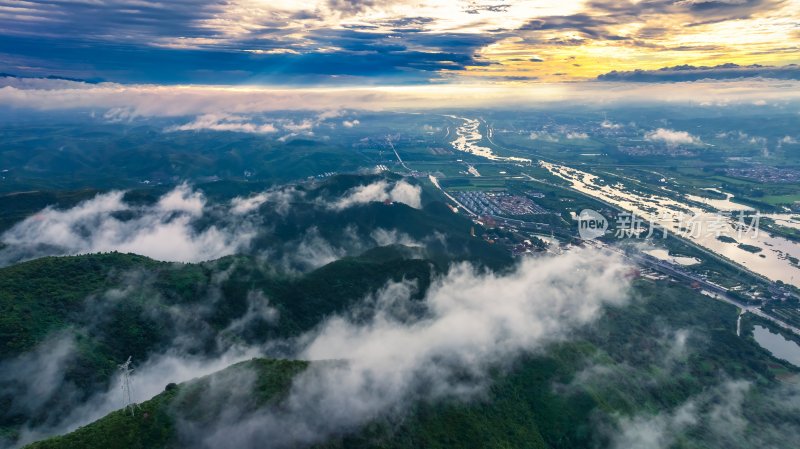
[[126, 370]]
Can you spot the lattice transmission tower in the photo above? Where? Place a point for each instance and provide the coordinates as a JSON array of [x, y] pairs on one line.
[[126, 371]]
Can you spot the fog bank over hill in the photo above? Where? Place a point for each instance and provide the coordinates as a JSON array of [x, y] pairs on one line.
[[396, 351]]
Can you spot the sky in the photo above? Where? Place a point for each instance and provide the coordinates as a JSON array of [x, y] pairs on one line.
[[392, 42]]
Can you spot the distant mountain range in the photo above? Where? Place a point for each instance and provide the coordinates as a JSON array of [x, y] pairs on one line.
[[54, 77], [695, 73]]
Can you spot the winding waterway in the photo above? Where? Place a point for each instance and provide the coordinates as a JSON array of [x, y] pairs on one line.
[[757, 250], [765, 254], [468, 137]]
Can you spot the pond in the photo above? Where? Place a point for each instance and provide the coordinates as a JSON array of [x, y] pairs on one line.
[[777, 345], [663, 254]]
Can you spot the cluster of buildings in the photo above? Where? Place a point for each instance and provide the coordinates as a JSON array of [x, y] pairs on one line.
[[654, 150], [516, 241], [498, 203], [765, 173]]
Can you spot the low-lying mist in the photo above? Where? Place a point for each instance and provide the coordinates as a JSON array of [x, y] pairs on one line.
[[394, 349], [397, 351], [183, 225]]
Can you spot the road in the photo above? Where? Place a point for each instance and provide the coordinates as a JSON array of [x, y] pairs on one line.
[[391, 145], [714, 291], [435, 182]]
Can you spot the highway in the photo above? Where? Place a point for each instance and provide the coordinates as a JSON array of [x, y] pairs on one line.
[[391, 145], [714, 291], [435, 182]]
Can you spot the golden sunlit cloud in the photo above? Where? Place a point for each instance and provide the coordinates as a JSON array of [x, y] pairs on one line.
[[565, 40], [601, 39]]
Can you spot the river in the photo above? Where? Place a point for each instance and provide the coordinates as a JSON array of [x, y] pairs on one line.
[[468, 137], [762, 253], [674, 212]]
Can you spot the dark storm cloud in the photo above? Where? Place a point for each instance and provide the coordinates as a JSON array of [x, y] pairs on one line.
[[221, 41], [409, 40], [699, 10], [715, 10], [349, 7], [692, 73], [116, 20], [477, 7], [408, 22], [357, 55], [596, 21], [512, 78], [125, 40], [588, 25]]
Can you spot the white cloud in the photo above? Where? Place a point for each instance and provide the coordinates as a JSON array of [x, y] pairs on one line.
[[305, 125], [286, 137], [385, 237], [169, 229], [744, 137], [610, 125], [163, 231], [543, 135], [182, 199], [657, 431], [280, 199], [149, 379], [739, 135], [576, 136], [225, 122], [120, 114], [718, 411], [32, 378], [788, 140], [350, 123], [398, 350], [331, 113], [313, 251], [672, 137], [258, 309], [400, 191]]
